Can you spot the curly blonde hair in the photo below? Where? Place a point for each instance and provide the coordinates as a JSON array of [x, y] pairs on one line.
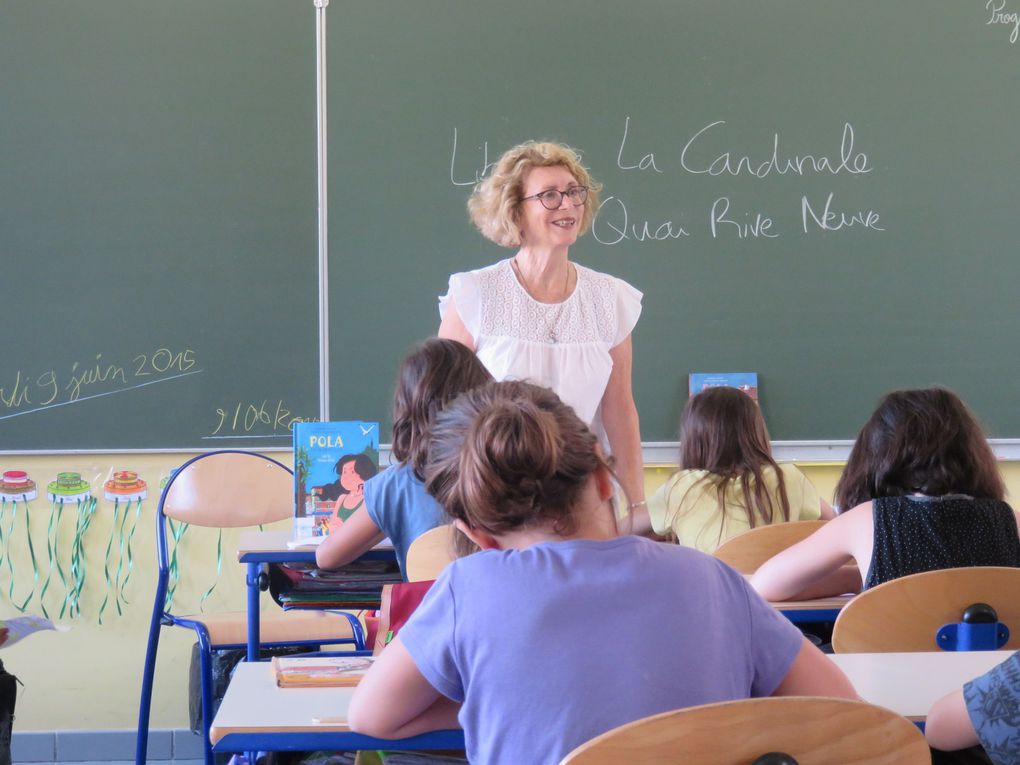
[[494, 205]]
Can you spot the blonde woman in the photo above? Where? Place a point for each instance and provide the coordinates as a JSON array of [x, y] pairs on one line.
[[540, 317]]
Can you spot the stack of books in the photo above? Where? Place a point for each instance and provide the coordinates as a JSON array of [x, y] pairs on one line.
[[357, 585]]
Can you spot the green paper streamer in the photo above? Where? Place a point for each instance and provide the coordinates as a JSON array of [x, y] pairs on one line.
[[120, 557], [174, 574], [54, 516], [56, 557], [35, 565], [9, 536], [130, 558], [106, 560], [219, 565], [86, 511]]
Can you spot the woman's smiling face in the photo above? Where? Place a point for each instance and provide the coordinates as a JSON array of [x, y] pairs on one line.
[[549, 228]]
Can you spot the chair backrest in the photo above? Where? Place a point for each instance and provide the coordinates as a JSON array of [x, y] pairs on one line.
[[814, 731], [430, 553], [747, 551], [904, 614], [229, 489]]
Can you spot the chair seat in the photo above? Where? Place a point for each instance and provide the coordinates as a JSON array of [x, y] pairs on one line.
[[231, 628]]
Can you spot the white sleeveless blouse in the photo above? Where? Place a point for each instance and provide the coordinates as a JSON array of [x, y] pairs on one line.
[[562, 346]]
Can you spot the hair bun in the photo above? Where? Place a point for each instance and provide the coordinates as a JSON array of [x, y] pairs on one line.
[[519, 439]]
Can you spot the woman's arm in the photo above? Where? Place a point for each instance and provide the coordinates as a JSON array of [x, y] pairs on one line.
[[814, 674], [452, 327], [620, 419], [355, 536], [948, 726], [815, 560], [827, 512], [394, 700]]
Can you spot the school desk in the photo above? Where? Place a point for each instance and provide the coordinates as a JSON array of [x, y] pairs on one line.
[[908, 683], [257, 548], [818, 610], [255, 715]]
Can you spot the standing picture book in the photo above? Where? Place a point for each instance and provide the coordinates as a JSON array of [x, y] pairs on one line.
[[320, 671], [332, 461], [745, 381]]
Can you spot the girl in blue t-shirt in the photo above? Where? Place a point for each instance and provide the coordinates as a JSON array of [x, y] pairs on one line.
[[396, 504], [559, 629]]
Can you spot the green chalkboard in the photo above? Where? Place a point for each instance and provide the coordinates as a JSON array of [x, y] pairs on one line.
[[898, 118], [157, 223], [158, 206]]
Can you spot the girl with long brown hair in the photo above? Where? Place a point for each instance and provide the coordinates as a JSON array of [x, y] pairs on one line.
[[921, 491], [728, 480], [396, 504]]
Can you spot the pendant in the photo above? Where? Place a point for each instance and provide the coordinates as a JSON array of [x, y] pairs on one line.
[[552, 338]]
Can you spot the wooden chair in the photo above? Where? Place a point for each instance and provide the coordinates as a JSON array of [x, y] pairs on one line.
[[747, 551], [812, 730], [227, 489], [905, 614], [430, 553]]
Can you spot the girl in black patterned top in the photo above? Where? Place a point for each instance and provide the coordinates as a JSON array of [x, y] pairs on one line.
[[924, 493]]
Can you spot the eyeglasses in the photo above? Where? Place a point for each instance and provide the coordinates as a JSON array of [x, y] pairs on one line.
[[551, 199]]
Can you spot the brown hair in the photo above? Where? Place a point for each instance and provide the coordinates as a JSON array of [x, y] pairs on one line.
[[510, 455], [494, 205], [925, 441], [722, 432], [430, 376]]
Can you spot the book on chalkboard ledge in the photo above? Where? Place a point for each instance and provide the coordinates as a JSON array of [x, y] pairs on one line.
[[332, 461], [745, 381]]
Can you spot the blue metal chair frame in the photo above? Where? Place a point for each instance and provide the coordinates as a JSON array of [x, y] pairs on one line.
[[163, 618]]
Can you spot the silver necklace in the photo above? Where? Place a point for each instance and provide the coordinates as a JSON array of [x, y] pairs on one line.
[[550, 325]]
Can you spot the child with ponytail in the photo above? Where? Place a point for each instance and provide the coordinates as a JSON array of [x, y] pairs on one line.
[[523, 643]]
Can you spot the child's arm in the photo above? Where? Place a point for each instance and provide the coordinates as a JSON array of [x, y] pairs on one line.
[[814, 674], [353, 538], [811, 561], [948, 725], [394, 700]]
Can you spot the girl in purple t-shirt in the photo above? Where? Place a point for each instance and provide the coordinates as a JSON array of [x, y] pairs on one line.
[[559, 629]]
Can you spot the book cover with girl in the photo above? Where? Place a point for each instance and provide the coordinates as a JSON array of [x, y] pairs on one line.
[[332, 461]]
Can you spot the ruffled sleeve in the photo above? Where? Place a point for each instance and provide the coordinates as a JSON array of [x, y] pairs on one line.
[[463, 290], [628, 309]]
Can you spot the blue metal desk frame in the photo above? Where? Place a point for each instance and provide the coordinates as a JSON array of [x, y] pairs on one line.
[[257, 578]]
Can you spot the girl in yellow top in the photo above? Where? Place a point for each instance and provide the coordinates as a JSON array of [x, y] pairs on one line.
[[728, 481]]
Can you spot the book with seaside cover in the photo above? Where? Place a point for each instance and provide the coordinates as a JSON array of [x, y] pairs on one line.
[[320, 671], [332, 461], [745, 381]]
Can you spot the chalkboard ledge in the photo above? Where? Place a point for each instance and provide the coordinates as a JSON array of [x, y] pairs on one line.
[[665, 452], [654, 452]]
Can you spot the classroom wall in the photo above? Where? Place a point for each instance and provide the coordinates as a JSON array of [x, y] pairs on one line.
[[89, 677]]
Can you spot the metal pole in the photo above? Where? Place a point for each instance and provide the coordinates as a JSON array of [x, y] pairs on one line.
[[320, 93]]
